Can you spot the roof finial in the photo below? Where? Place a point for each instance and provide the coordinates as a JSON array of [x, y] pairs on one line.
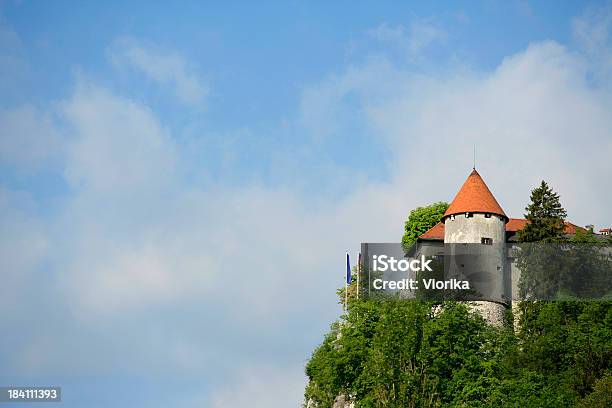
[[474, 168]]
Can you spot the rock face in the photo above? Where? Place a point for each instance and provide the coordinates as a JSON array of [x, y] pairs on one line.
[[342, 402], [492, 312]]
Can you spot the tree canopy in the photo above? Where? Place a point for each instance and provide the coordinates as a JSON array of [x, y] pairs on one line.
[[420, 220], [545, 217], [421, 354]]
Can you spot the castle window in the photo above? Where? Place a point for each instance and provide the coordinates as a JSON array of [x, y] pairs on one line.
[[486, 241], [487, 215], [453, 217], [468, 215]]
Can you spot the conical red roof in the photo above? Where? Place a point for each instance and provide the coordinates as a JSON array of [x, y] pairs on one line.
[[474, 197]]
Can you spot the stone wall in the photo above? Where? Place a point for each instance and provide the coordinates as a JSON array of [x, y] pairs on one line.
[[460, 229]]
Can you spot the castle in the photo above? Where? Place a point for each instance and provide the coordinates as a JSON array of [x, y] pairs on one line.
[[475, 217]]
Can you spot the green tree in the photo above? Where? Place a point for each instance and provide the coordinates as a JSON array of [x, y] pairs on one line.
[[601, 397], [542, 267], [420, 220], [545, 217]]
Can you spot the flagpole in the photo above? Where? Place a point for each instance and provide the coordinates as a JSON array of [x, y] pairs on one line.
[[346, 280], [358, 274], [345, 296]]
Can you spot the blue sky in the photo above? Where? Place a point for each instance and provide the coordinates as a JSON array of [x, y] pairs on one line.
[[178, 185], [257, 59]]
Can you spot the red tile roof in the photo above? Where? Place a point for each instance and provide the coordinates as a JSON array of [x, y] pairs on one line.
[[514, 224], [474, 196], [435, 232]]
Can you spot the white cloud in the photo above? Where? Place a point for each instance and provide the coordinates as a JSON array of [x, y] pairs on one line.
[[385, 32], [118, 145], [13, 65], [593, 34], [24, 245], [421, 34], [165, 67], [29, 140], [123, 167], [593, 29], [137, 233]]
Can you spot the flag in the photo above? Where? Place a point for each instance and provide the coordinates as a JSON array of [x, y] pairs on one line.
[[348, 270]]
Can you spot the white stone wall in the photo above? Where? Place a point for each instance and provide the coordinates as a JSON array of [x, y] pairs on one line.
[[470, 230]]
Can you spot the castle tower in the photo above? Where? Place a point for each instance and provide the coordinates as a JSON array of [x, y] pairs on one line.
[[475, 217]]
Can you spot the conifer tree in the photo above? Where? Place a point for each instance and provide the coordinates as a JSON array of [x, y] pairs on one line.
[[546, 217]]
